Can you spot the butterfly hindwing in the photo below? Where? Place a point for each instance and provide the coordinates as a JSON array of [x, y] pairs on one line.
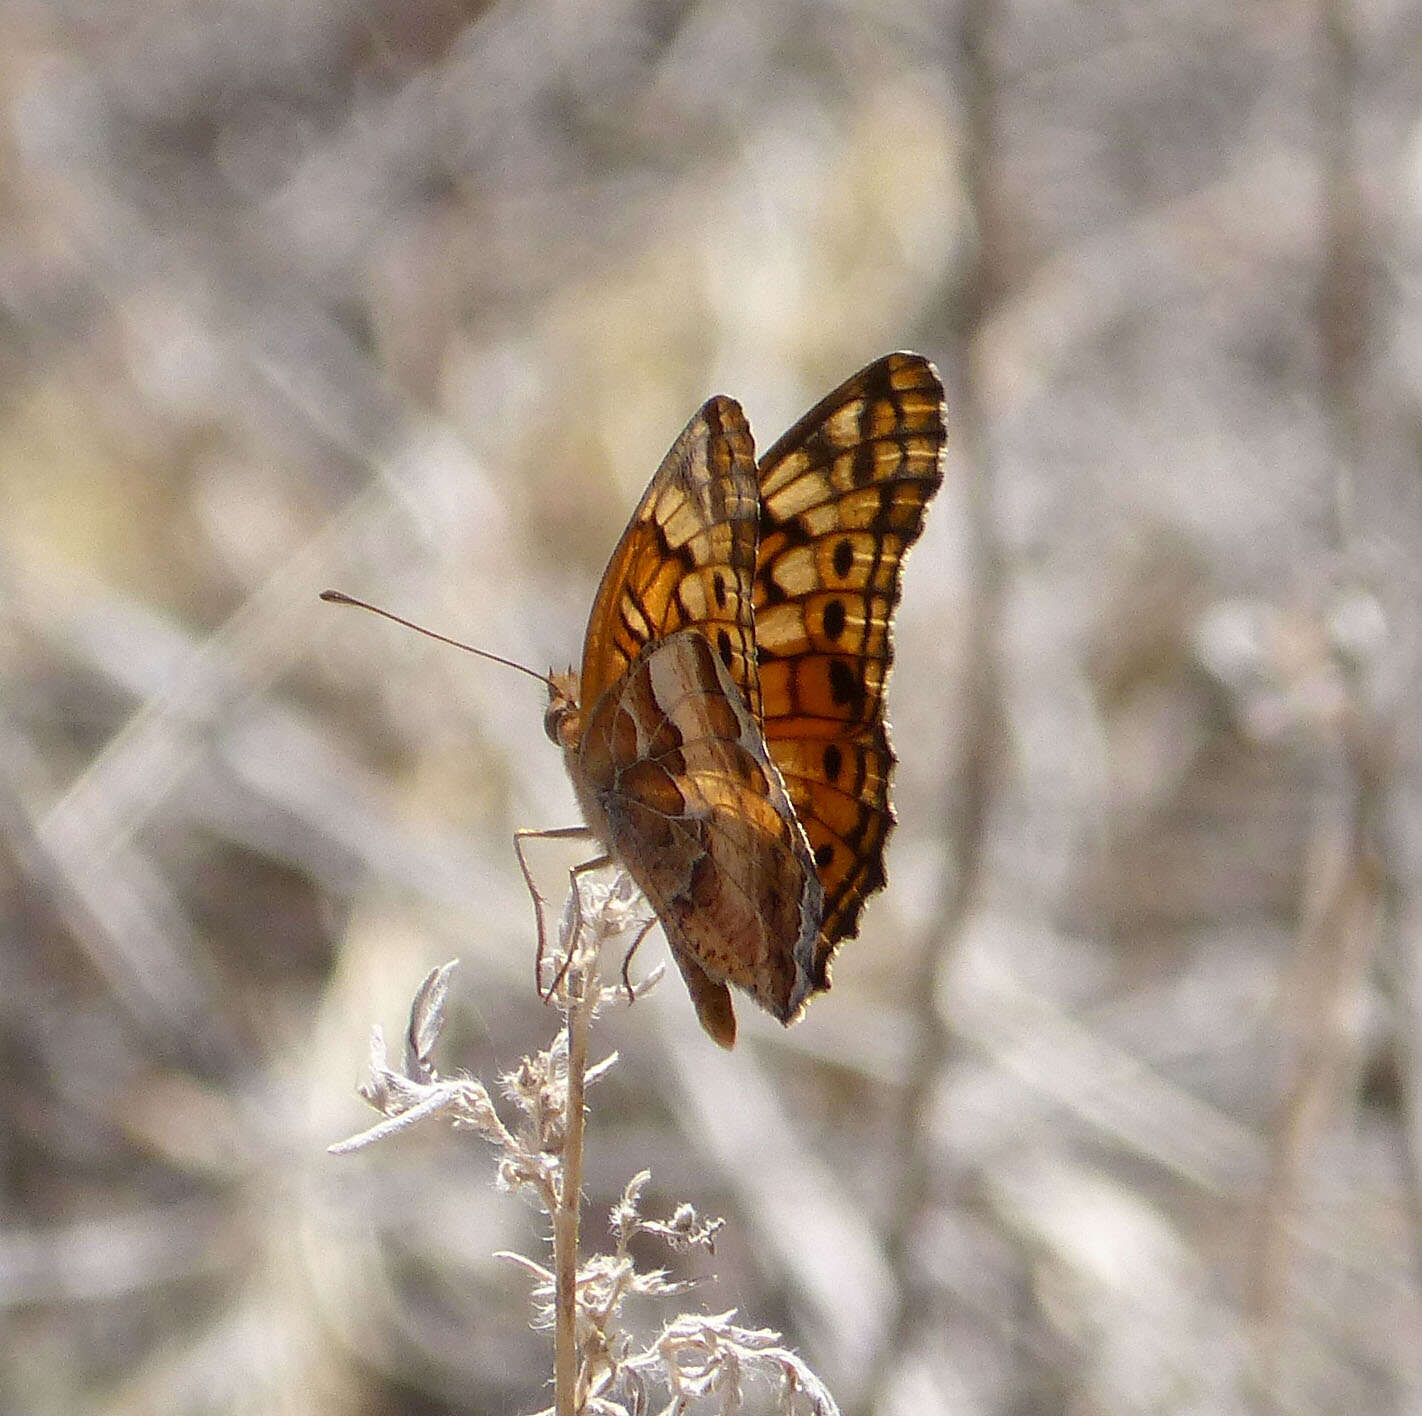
[[694, 808]]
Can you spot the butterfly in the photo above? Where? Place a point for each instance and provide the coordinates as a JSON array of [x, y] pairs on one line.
[[725, 735]]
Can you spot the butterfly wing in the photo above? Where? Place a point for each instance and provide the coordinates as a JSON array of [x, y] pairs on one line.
[[686, 559], [675, 778], [665, 748], [842, 498]]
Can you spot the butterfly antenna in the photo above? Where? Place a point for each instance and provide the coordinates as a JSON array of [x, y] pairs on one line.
[[338, 597]]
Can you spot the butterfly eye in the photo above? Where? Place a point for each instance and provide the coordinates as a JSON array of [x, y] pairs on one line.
[[563, 723], [554, 717], [563, 719]]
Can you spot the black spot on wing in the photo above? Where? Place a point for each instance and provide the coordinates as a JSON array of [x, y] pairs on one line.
[[844, 684]]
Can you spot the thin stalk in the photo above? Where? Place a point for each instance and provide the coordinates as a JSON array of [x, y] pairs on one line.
[[581, 990]]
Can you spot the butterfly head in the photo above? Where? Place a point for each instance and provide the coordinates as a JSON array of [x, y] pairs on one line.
[[563, 718]]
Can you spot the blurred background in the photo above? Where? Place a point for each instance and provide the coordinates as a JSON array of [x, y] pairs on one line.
[[1114, 1105]]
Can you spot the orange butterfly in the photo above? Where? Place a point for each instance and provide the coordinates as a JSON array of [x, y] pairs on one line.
[[726, 735]]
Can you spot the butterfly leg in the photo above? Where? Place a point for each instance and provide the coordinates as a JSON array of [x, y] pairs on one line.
[[642, 933], [576, 926], [562, 833]]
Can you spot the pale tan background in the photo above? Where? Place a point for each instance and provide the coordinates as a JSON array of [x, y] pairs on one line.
[[1114, 1107]]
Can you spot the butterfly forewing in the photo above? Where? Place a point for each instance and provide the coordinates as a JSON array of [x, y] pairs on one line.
[[686, 559], [842, 498]]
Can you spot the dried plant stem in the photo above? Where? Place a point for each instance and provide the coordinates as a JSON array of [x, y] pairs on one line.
[[596, 1367], [582, 993]]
